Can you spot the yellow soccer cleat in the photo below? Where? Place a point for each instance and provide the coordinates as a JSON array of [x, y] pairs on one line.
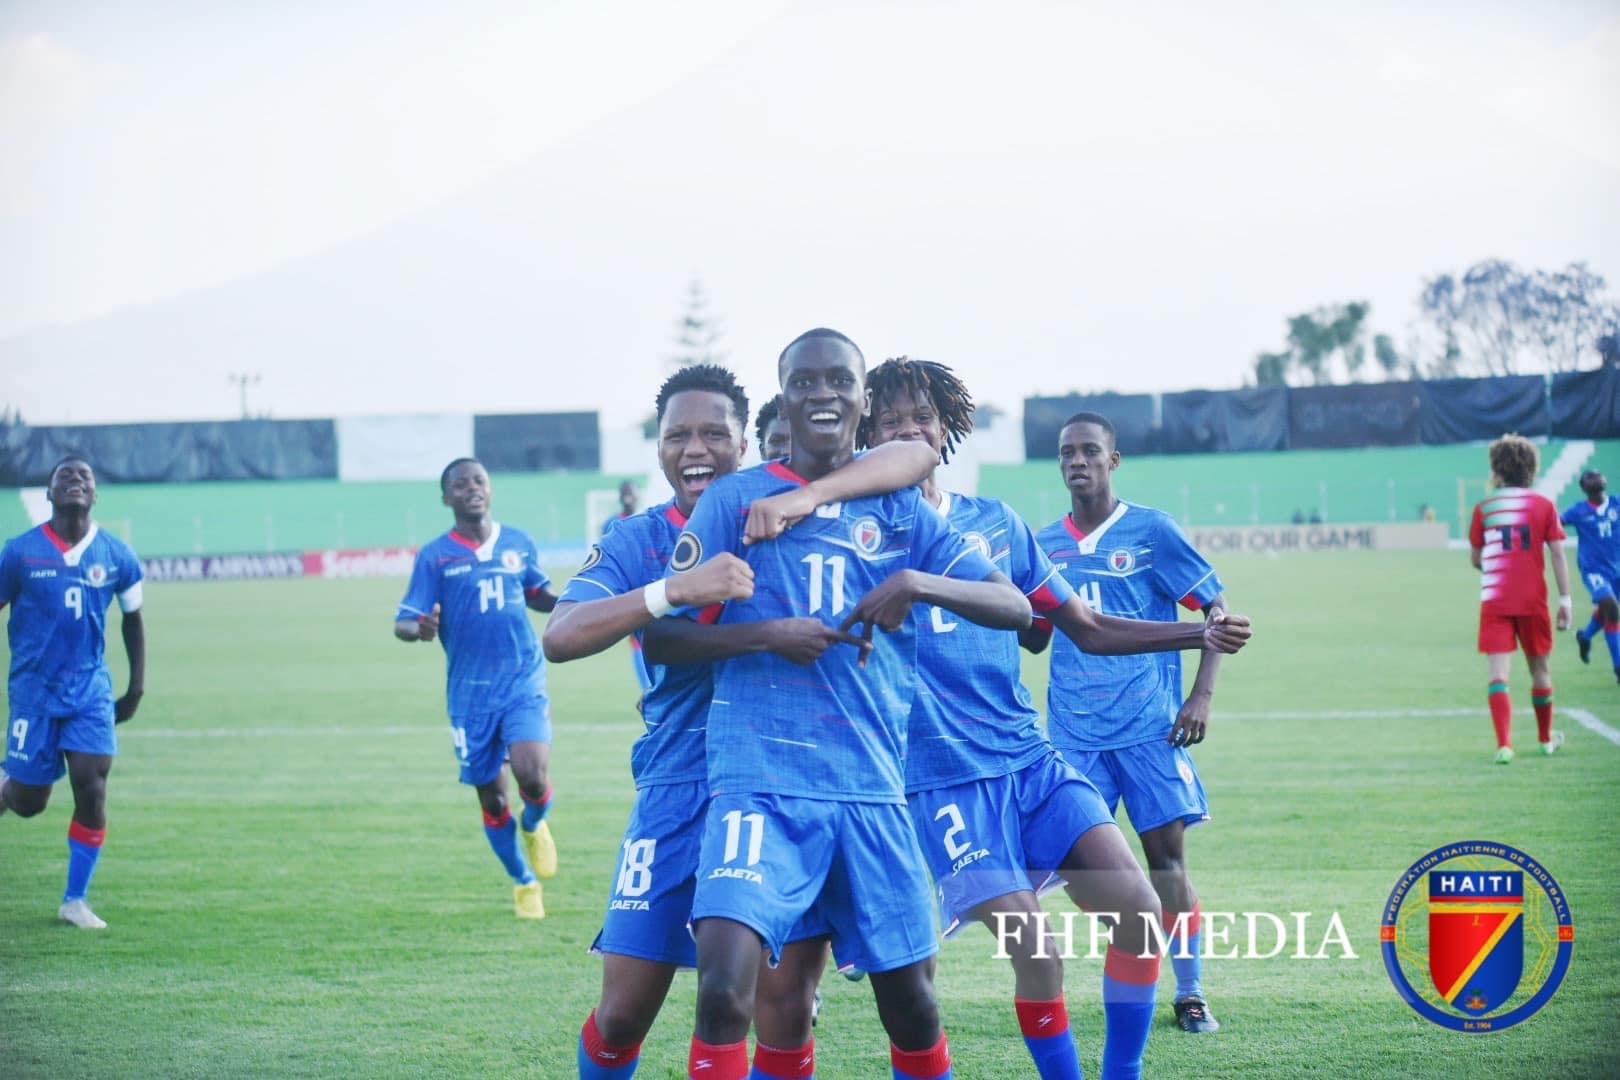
[[540, 849], [526, 901]]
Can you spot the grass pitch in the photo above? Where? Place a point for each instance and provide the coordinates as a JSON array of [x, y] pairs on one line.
[[297, 886]]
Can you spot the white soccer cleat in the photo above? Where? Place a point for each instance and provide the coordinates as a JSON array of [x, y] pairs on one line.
[[79, 914], [1551, 745]]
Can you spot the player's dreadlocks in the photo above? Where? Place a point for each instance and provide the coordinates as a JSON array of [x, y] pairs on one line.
[[711, 377], [920, 379], [1514, 460], [769, 413]]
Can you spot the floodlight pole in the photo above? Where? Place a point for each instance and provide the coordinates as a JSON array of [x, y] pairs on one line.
[[243, 380]]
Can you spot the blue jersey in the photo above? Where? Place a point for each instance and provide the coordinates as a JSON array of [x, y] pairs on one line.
[[58, 630], [494, 656], [1599, 530], [831, 730], [972, 718], [1138, 564], [675, 708]]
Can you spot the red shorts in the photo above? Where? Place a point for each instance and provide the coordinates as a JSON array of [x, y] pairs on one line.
[[1533, 631]]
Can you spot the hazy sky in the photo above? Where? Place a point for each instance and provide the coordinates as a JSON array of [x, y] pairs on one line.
[[498, 206]]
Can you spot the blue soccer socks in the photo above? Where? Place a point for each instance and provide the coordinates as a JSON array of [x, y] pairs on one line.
[[1130, 984], [502, 833], [931, 1064], [535, 812], [1183, 952], [1045, 1025], [84, 848], [599, 1061]]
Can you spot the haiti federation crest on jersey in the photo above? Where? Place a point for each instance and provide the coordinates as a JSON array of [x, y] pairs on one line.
[[511, 561], [1121, 561], [978, 542], [1477, 936], [867, 536], [96, 575]]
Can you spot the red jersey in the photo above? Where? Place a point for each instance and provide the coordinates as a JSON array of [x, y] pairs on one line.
[[1511, 528]]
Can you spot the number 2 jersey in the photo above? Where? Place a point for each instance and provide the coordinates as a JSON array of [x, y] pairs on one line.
[[1511, 528], [1598, 527], [972, 718], [493, 655], [675, 708], [59, 594], [830, 730], [1137, 564]]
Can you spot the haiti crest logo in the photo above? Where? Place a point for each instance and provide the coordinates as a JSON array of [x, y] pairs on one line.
[[96, 575], [1121, 561], [867, 535], [1476, 936]]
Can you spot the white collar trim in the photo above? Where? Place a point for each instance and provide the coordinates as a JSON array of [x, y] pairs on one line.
[[73, 554], [1088, 546]]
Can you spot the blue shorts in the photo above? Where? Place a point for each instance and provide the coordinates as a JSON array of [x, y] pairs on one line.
[[792, 868], [651, 905], [1157, 782], [482, 739], [37, 746], [1601, 586], [1007, 834]]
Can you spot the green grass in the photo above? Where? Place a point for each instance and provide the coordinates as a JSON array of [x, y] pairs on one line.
[[312, 895]]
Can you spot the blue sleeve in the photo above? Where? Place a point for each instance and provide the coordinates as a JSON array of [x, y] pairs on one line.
[[937, 548], [607, 571], [129, 573], [1179, 571], [423, 591], [10, 579], [533, 577], [713, 527], [1568, 516], [1031, 570]]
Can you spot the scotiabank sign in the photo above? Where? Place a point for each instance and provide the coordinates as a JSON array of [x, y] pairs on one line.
[[349, 563], [360, 562]]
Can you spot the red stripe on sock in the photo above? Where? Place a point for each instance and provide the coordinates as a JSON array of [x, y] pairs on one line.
[[1038, 1019], [545, 796], [728, 1062], [797, 1064], [923, 1064], [1194, 918], [87, 837], [498, 822], [1125, 967], [1611, 628], [609, 1057]]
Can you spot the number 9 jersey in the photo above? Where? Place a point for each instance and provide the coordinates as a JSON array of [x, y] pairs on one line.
[[60, 594]]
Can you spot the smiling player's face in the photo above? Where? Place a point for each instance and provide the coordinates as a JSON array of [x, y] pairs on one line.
[[467, 492], [699, 441], [72, 486], [903, 418], [823, 396]]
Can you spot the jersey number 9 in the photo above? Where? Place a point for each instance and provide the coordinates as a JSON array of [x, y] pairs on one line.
[[74, 598]]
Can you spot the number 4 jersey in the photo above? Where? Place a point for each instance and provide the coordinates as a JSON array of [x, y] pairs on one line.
[[1510, 528], [481, 589], [60, 593]]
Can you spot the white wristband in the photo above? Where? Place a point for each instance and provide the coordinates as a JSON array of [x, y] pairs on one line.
[[1565, 601], [657, 602]]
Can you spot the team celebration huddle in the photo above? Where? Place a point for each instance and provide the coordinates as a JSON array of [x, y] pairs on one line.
[[840, 760], [837, 742]]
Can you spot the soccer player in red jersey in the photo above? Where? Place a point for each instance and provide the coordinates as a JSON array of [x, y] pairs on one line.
[[1510, 527]]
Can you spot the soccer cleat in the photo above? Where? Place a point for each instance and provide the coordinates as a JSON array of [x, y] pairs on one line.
[[1583, 644], [1551, 745], [540, 849], [1193, 1015], [526, 901], [1504, 755], [79, 914]]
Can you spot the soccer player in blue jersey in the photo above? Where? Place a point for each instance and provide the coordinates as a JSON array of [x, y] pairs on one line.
[[1596, 521], [621, 588], [807, 834], [1121, 720], [775, 436], [473, 588], [59, 579], [997, 810]]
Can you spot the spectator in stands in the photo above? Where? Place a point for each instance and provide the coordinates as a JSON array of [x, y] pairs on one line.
[[1299, 516]]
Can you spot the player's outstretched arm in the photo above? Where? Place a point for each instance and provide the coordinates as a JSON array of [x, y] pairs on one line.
[[133, 628], [686, 641], [540, 599], [1192, 722], [994, 602], [887, 468], [1106, 635], [583, 629]]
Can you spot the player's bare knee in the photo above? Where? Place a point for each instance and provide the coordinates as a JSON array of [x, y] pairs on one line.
[[725, 1008], [623, 1022], [25, 800]]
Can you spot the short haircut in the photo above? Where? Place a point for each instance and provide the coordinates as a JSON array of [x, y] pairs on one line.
[[1514, 460], [922, 380], [769, 413], [1094, 418], [444, 477], [711, 377], [1588, 474], [61, 461], [809, 335]]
